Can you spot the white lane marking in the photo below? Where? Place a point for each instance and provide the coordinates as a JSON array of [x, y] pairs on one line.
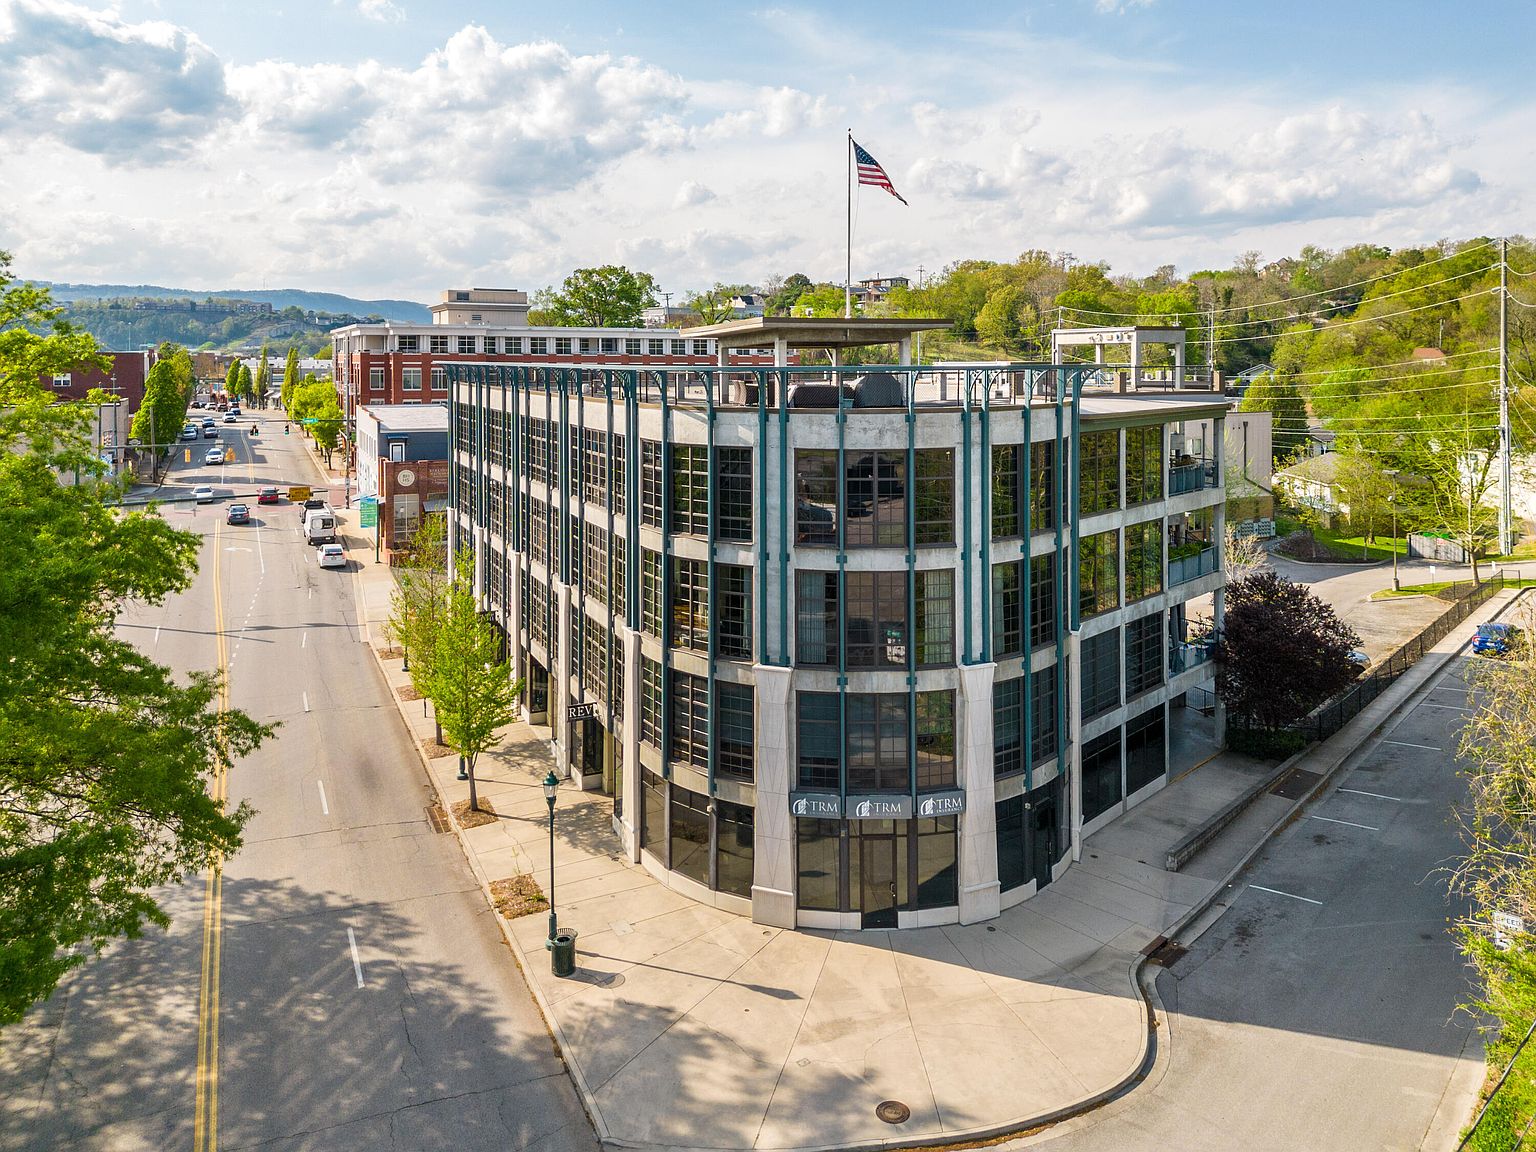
[[304, 640], [1288, 895], [1447, 707], [311, 591], [1373, 795], [260, 555], [357, 965], [157, 635], [1351, 823], [1405, 744], [306, 701], [325, 809]]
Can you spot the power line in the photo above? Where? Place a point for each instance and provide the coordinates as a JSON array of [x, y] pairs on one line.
[[1334, 325], [1394, 364]]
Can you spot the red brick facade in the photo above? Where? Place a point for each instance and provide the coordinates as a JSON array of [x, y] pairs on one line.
[[125, 378]]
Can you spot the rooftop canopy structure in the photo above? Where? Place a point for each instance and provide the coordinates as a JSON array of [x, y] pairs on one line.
[[1131, 371], [834, 334]]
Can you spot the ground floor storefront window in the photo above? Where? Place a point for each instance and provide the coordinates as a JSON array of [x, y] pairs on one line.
[[1031, 836], [707, 840], [877, 868]]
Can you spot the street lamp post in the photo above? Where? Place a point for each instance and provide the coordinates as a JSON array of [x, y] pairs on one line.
[[551, 785], [1396, 587]]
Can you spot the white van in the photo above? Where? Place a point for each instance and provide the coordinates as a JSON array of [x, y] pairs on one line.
[[320, 526]]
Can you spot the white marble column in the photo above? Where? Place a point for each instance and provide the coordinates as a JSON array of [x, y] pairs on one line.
[[773, 839], [977, 850], [629, 734]]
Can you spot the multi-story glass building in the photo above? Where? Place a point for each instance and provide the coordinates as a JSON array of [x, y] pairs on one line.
[[849, 647]]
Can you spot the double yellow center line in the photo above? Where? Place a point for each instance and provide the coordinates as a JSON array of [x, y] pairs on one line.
[[205, 1118]]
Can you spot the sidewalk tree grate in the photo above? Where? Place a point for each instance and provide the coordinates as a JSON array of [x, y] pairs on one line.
[[893, 1111], [437, 818]]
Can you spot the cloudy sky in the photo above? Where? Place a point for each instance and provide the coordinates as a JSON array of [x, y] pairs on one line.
[[394, 148]]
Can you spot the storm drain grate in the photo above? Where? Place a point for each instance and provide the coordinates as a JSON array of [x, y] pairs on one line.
[[893, 1111], [437, 818], [1295, 784], [1165, 953]]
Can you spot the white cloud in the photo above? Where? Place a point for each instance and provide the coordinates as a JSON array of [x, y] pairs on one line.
[[381, 10], [690, 194], [1119, 7]]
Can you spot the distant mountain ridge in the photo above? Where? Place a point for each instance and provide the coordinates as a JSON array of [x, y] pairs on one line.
[[405, 311]]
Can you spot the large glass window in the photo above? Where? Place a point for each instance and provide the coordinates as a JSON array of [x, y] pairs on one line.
[[816, 617], [690, 834], [1098, 573], [733, 730], [1145, 754], [875, 500], [1101, 673], [653, 813], [1143, 560], [1007, 727], [733, 857], [594, 466], [935, 485], [690, 604], [815, 497], [650, 702], [1006, 491], [690, 719], [1143, 655], [1101, 775], [735, 493], [818, 849], [616, 475], [1143, 464], [690, 489], [1007, 610], [733, 611], [1043, 704], [594, 562], [818, 743], [937, 884], [1099, 476], [651, 483], [1012, 867], [1042, 600], [877, 619], [935, 740], [877, 736], [935, 624], [650, 594], [1042, 485]]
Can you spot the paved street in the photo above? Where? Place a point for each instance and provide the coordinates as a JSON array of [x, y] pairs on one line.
[[365, 997], [1319, 1011]]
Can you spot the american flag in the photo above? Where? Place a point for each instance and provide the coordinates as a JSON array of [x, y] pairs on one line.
[[870, 171]]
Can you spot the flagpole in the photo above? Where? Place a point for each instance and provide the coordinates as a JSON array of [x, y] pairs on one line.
[[848, 272]]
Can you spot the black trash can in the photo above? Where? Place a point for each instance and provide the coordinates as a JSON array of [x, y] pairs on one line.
[[562, 952]]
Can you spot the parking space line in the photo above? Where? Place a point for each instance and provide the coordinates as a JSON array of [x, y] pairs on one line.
[[325, 808], [1287, 895], [1350, 823], [1406, 744], [1447, 707], [1372, 795], [357, 964]]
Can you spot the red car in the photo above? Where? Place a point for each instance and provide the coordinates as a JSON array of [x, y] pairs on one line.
[[268, 496]]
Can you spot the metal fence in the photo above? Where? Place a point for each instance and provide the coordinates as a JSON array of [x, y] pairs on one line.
[[1465, 597]]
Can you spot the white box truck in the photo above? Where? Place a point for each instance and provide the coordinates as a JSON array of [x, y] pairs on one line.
[[320, 526]]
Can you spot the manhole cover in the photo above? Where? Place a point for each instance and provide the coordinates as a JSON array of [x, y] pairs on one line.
[[893, 1111]]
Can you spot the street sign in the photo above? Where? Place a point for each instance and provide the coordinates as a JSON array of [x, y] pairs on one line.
[[1505, 923], [368, 515], [580, 711], [297, 492]]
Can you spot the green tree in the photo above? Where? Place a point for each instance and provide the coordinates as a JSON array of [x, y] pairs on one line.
[[245, 386], [232, 378], [783, 299], [607, 297], [418, 599], [290, 376], [107, 757], [1282, 650], [997, 324], [471, 688], [1367, 486], [36, 341], [1270, 394], [263, 381], [161, 415]]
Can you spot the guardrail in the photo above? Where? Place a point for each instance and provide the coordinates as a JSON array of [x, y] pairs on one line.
[[1187, 568]]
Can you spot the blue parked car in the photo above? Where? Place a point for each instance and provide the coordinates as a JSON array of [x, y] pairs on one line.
[[1494, 639]]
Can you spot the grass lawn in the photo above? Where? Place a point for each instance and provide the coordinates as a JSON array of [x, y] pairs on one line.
[[1438, 586], [1355, 547]]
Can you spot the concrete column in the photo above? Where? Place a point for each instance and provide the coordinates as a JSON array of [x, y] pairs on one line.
[[560, 682], [477, 571], [977, 849], [453, 538], [1075, 738], [780, 354], [1178, 363], [773, 839], [629, 735]]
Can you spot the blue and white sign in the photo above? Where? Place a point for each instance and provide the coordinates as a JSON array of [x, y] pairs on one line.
[[931, 804], [887, 806]]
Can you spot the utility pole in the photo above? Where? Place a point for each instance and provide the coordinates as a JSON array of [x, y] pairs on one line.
[[1210, 354], [1506, 521]]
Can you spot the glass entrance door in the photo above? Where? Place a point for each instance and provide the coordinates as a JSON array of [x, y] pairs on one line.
[[878, 876], [1042, 840]]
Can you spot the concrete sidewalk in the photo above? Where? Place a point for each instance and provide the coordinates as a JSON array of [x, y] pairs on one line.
[[689, 1027]]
